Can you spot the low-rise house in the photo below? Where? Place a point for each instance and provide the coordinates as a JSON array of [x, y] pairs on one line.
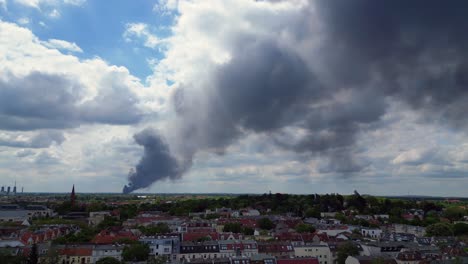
[[262, 259], [333, 231], [364, 217], [369, 260], [210, 261], [104, 251], [250, 212], [168, 246], [237, 247], [74, 254], [197, 250], [298, 261], [95, 218], [113, 236], [199, 236], [328, 214], [276, 249], [11, 247], [390, 249], [382, 216], [16, 216], [371, 232], [319, 251], [418, 231], [408, 257], [39, 211]]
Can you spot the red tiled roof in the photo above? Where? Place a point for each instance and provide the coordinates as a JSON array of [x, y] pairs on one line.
[[76, 251], [106, 237], [199, 235]]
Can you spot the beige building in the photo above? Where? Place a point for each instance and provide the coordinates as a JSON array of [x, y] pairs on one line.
[[320, 251]]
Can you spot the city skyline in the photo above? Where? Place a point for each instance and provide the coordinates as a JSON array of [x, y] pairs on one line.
[[237, 96]]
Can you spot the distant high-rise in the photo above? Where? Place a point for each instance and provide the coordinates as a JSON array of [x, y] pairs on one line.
[[3, 189], [14, 188], [73, 196], [8, 190]]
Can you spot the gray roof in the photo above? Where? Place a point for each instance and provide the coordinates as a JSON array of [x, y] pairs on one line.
[[13, 213]]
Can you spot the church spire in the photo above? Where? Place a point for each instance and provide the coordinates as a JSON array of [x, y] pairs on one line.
[[73, 196]]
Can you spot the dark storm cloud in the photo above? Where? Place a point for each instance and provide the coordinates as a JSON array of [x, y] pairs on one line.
[[39, 100], [370, 52], [414, 50], [43, 139]]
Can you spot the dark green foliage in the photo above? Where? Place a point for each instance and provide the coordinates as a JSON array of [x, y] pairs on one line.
[[126, 241], [454, 213], [439, 229], [160, 228], [312, 212], [248, 231], [128, 211], [305, 228], [460, 229], [345, 250], [232, 227], [265, 223], [8, 258], [85, 235], [109, 221], [136, 252], [33, 257]]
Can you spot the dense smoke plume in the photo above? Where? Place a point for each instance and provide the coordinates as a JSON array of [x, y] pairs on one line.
[[316, 90]]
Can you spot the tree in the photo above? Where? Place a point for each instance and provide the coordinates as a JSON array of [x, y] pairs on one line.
[[232, 227], [248, 231], [454, 213], [265, 223], [460, 229], [157, 260], [52, 257], [439, 229], [345, 250], [312, 212], [136, 252], [305, 228], [33, 255], [160, 228], [108, 260]]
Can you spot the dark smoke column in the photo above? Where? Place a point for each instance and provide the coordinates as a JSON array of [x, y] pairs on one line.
[[157, 162]]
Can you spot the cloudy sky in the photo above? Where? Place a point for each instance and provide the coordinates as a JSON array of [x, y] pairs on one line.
[[237, 96]]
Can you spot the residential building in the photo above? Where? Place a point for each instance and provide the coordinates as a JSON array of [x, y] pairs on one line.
[[237, 247], [319, 251], [103, 251], [95, 218], [277, 249], [298, 261], [74, 254], [369, 260], [168, 246], [371, 232], [197, 250]]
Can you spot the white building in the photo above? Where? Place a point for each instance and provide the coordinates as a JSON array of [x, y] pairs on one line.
[[375, 233], [95, 218], [167, 246], [320, 251], [103, 251]]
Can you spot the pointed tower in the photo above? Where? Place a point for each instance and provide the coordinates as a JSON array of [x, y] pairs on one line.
[[73, 196]]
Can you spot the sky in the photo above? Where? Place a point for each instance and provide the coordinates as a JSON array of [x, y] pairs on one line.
[[236, 96]]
